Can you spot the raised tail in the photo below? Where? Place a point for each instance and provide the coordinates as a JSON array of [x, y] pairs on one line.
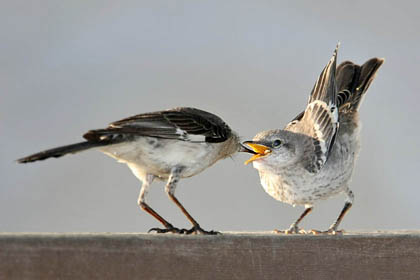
[[61, 151], [353, 81]]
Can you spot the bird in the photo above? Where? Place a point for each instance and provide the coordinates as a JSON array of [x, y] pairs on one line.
[[167, 145], [313, 157]]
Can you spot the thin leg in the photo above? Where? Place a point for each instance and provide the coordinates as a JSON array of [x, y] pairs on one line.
[[334, 227], [346, 208], [142, 203], [294, 229], [170, 190]]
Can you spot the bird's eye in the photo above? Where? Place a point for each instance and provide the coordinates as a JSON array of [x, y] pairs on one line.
[[276, 143]]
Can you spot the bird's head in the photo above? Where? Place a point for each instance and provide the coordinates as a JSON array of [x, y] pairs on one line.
[[273, 149]]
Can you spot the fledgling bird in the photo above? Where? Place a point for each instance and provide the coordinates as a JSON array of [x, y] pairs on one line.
[[166, 145], [313, 157]]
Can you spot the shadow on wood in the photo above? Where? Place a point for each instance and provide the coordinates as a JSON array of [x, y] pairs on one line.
[[386, 255]]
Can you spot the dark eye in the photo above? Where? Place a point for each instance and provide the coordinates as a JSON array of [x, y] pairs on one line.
[[276, 143]]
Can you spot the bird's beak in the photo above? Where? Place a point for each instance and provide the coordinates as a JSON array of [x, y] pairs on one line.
[[245, 149], [258, 150]]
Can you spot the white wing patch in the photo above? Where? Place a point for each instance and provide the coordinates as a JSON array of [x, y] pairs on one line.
[[196, 138], [184, 135]]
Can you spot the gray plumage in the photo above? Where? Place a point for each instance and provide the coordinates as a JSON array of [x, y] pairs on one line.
[[313, 157], [167, 145]]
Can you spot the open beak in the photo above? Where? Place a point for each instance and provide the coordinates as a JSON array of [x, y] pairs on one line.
[[258, 150], [245, 149]]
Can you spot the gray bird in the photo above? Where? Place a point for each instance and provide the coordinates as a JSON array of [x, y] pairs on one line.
[[313, 157], [166, 145]]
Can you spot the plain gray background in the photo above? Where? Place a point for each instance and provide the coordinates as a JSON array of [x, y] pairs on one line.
[[70, 66]]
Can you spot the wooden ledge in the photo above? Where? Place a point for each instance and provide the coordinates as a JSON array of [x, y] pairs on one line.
[[355, 255]]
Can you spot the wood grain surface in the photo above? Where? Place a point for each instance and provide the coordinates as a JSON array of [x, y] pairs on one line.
[[362, 255]]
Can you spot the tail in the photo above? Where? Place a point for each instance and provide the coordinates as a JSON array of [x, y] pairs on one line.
[[95, 138], [353, 81], [61, 151]]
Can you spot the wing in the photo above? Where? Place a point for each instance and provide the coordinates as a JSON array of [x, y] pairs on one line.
[[293, 122], [352, 82], [185, 124], [320, 119]]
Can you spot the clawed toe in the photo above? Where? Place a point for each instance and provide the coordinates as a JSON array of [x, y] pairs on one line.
[[330, 231], [198, 230], [166, 230], [291, 230], [194, 230]]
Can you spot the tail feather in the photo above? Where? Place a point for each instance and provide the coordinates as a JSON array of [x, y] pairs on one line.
[[61, 151], [353, 81]]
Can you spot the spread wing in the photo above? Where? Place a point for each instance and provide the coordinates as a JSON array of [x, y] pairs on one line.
[[185, 124], [352, 82], [320, 119]]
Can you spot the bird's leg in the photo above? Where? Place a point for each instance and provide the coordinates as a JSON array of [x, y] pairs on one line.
[[294, 229], [170, 190], [334, 227], [142, 203]]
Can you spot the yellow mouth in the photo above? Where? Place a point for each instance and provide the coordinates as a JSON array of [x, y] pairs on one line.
[[261, 151]]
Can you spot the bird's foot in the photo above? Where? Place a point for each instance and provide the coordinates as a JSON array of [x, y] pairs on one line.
[[292, 230], [198, 230], [169, 228], [330, 231]]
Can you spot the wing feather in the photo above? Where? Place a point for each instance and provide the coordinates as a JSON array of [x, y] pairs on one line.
[[320, 119], [186, 124]]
